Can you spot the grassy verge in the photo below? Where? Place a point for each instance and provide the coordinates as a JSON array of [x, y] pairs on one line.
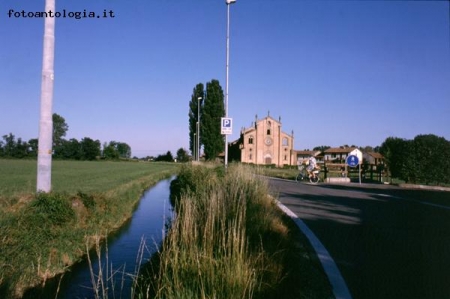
[[230, 240], [43, 234], [282, 173]]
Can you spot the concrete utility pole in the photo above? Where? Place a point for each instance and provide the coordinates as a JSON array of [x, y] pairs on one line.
[[228, 2], [44, 171]]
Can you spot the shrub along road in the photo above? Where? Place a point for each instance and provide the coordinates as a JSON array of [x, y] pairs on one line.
[[388, 242]]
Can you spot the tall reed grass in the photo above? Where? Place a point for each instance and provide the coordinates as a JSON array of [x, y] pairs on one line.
[[228, 239], [219, 244]]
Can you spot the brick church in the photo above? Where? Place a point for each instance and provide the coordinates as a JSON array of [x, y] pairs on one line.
[[264, 143]]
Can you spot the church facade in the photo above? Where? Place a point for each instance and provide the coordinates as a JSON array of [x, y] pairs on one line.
[[264, 143]]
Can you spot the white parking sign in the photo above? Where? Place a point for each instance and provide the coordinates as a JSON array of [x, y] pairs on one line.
[[227, 126]]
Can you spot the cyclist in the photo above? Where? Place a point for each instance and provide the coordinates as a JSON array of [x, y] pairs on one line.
[[312, 164]]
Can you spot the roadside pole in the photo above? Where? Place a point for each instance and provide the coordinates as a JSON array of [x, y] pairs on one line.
[[44, 167]]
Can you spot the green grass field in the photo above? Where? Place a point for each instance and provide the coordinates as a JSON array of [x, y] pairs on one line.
[[43, 235], [18, 177]]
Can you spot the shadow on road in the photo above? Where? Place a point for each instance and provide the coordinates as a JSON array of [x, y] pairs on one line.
[[386, 241]]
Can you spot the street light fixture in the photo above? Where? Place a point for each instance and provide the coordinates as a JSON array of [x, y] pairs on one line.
[[228, 2]]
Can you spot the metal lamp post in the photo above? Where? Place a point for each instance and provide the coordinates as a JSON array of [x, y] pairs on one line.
[[228, 2], [195, 146], [198, 128]]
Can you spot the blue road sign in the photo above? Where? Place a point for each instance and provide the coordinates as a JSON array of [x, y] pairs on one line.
[[226, 122], [227, 126], [352, 161]]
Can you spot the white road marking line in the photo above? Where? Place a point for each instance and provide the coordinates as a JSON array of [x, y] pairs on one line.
[[337, 282]]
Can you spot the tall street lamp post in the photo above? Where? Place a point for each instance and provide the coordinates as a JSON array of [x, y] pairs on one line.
[[195, 146], [228, 2], [198, 128]]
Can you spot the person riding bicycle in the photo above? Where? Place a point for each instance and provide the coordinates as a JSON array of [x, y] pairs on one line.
[[312, 164]]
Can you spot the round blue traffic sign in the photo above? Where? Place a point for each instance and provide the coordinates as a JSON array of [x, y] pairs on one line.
[[352, 161]]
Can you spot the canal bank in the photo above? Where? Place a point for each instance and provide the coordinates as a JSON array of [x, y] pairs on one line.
[[120, 255], [305, 277]]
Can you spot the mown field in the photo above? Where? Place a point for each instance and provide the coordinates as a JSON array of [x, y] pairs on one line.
[[42, 235], [18, 177]]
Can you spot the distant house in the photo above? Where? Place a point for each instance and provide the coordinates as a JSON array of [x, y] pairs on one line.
[[337, 154], [373, 158], [265, 143], [304, 155]]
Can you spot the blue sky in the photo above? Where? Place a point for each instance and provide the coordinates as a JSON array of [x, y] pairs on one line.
[[336, 72]]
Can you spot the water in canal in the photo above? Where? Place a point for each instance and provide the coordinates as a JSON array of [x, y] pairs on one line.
[[147, 224]]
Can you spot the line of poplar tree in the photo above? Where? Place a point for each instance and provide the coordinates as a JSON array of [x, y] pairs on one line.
[[424, 159], [85, 149], [211, 111]]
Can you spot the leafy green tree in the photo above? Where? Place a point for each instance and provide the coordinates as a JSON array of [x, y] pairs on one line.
[[90, 149], [182, 155], [123, 149], [165, 158], [169, 156], [13, 148], [9, 145], [213, 110], [431, 159], [116, 150], [60, 129], [397, 151], [33, 147], [71, 149], [110, 152], [425, 159], [21, 149], [197, 93]]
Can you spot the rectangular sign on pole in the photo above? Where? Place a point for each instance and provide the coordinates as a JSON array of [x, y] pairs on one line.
[[227, 127]]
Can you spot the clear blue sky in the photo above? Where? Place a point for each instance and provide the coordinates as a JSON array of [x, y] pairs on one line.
[[337, 72]]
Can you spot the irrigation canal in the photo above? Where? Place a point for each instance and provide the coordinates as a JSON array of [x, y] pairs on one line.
[[147, 224]]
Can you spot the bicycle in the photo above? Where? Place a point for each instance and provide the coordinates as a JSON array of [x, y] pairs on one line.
[[303, 175]]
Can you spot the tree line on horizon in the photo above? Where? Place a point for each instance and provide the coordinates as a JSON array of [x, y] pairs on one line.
[[424, 159], [181, 156], [85, 149]]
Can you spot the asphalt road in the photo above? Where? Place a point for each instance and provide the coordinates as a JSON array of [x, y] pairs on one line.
[[387, 242]]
